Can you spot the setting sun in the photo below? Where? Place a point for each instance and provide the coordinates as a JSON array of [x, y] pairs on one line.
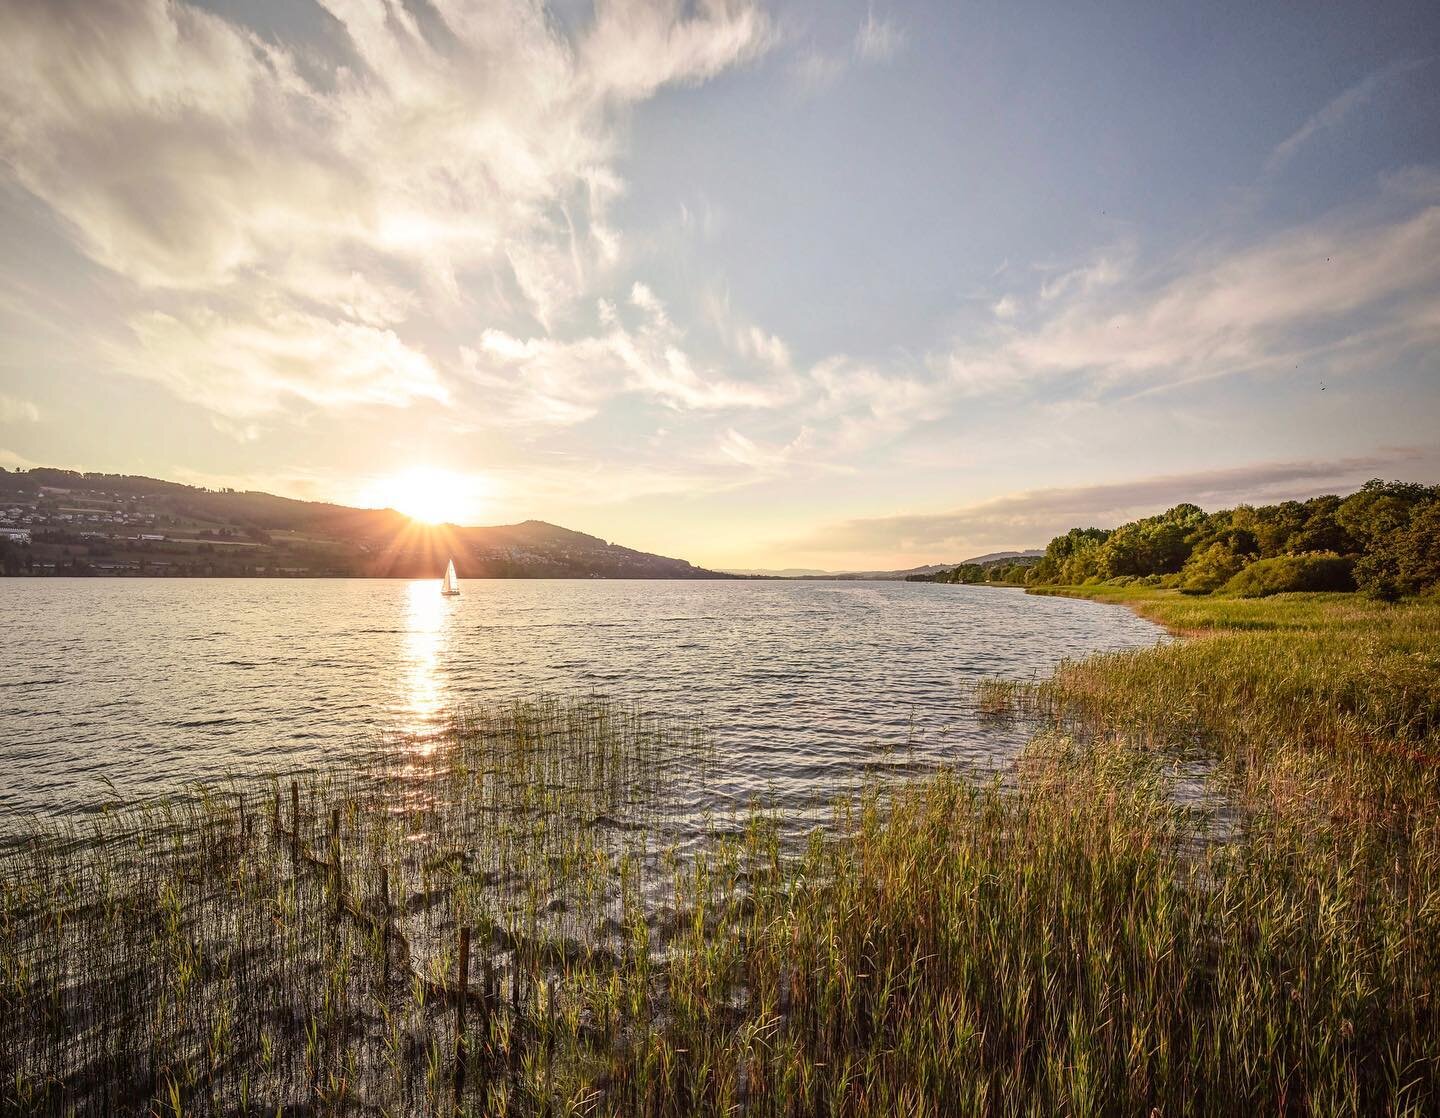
[[432, 496]]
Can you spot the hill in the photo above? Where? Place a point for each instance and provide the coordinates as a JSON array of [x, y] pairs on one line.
[[64, 522], [910, 574]]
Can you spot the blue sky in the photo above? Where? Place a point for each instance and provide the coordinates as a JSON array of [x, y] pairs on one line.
[[762, 285]]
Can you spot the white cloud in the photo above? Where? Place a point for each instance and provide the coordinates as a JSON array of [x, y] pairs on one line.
[[249, 366], [1246, 309], [752, 344], [878, 40], [814, 70], [1033, 517], [12, 461], [1356, 280], [549, 381], [1106, 271], [1104, 325], [466, 157], [15, 410], [1338, 110], [636, 46]]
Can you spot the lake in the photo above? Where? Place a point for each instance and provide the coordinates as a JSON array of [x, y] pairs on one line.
[[148, 684]]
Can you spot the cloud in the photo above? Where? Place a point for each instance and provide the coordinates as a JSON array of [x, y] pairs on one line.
[[249, 366], [878, 40], [1338, 110], [1031, 518], [813, 70], [556, 382], [1247, 308], [460, 159], [1005, 307], [14, 410], [1106, 271], [637, 46], [752, 344], [1363, 279], [12, 461]]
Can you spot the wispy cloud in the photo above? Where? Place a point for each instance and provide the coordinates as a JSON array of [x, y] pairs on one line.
[[14, 410], [879, 39], [246, 365], [468, 159], [562, 382], [1337, 294], [1031, 518], [1339, 110], [813, 70], [1362, 275]]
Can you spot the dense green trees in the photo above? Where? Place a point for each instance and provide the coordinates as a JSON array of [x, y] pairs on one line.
[[1071, 558], [1395, 524], [997, 570], [1383, 539]]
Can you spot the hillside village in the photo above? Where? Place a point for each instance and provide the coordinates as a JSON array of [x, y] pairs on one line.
[[57, 522]]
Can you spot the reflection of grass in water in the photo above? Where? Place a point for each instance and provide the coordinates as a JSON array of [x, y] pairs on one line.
[[1062, 945]]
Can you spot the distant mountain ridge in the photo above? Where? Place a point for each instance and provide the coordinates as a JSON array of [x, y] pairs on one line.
[[892, 576], [90, 523]]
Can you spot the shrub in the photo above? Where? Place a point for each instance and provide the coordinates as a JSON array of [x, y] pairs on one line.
[[1210, 568], [1317, 570]]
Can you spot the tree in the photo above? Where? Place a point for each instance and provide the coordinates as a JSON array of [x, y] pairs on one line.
[[1380, 517], [1211, 568], [1380, 508], [1417, 551]]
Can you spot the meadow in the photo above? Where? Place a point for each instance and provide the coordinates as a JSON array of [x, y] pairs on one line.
[[1211, 886]]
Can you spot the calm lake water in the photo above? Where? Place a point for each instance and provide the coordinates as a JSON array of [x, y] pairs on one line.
[[152, 683]]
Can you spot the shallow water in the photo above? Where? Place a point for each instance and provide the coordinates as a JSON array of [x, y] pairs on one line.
[[148, 684]]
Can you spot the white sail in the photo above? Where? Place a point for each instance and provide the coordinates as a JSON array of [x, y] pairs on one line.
[[451, 585]]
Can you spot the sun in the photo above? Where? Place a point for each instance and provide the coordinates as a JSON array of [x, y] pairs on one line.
[[432, 495]]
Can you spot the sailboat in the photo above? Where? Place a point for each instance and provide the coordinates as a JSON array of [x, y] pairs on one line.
[[450, 587]]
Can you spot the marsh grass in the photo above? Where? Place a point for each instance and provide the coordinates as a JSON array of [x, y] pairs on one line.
[[997, 698], [1067, 940]]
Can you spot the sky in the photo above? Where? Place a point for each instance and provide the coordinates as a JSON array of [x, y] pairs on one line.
[[761, 285]]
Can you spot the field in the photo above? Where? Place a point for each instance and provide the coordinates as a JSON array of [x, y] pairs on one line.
[[1211, 886]]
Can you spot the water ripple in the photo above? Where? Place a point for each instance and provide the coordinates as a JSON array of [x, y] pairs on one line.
[[150, 684]]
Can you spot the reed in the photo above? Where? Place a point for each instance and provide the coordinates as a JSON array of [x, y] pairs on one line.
[[1211, 885]]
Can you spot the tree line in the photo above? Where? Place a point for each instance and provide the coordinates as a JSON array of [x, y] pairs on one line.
[[1383, 540]]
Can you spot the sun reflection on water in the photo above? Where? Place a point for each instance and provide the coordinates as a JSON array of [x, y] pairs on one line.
[[427, 615]]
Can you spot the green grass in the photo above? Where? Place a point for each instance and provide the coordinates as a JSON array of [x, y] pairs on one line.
[[1086, 936]]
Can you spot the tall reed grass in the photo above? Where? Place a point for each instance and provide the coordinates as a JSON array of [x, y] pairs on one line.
[[1079, 937]]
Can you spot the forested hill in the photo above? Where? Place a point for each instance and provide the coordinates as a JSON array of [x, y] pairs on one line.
[[1383, 539], [62, 522]]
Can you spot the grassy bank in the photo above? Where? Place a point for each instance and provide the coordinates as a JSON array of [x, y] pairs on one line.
[[1073, 941]]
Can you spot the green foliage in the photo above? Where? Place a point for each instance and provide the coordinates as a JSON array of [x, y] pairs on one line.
[[1156, 545], [1400, 525], [1211, 567], [1288, 574], [967, 573], [1071, 558], [1387, 534], [970, 574]]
